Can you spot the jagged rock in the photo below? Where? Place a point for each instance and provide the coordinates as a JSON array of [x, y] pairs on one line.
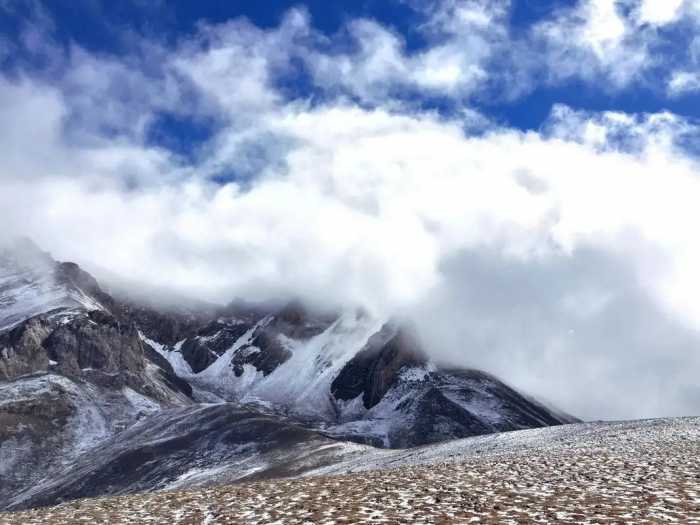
[[374, 369], [264, 351], [166, 327], [211, 342], [267, 356], [21, 350], [97, 341]]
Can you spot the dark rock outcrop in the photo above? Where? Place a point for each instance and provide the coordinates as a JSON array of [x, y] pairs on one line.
[[202, 346], [21, 349], [165, 326], [97, 341], [374, 369], [265, 353], [459, 403], [211, 342], [437, 418]]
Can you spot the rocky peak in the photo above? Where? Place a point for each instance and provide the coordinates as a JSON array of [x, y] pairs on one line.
[[32, 283], [375, 368], [54, 317]]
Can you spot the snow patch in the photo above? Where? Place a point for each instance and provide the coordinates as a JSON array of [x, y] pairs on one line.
[[141, 403]]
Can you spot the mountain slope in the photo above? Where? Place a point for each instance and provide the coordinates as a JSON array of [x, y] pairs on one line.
[[31, 283], [355, 377], [622, 472], [105, 395], [72, 374], [48, 422], [188, 447]]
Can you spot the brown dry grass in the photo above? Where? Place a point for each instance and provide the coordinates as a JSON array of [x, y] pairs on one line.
[[625, 484]]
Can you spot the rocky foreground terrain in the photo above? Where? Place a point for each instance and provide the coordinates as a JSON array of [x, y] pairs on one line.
[[628, 472]]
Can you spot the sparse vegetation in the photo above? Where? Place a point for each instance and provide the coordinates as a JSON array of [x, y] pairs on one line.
[[644, 472]]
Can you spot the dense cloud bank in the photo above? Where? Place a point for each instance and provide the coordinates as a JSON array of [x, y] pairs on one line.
[[563, 259]]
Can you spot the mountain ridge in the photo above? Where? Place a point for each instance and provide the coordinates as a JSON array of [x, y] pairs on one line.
[[72, 353]]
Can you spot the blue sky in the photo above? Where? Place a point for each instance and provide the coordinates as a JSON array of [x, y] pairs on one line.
[[106, 28], [518, 177]]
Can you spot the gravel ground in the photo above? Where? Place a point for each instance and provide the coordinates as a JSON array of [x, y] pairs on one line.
[[632, 472]]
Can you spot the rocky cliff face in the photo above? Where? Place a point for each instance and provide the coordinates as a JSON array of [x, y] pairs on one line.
[[375, 368], [71, 327], [72, 372], [21, 350]]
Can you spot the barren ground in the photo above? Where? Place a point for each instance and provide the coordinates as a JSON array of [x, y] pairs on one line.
[[636, 472]]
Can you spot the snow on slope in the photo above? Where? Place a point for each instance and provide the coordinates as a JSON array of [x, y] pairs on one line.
[[191, 446], [28, 287], [306, 377], [300, 385], [49, 421], [630, 472], [615, 436], [220, 376], [421, 404], [172, 355]]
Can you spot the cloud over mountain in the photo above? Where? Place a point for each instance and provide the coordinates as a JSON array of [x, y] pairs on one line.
[[358, 168]]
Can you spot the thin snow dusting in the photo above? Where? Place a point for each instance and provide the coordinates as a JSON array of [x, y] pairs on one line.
[[415, 373], [142, 404], [631, 472], [29, 288]]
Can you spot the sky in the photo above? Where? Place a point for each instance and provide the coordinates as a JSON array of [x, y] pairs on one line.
[[519, 178]]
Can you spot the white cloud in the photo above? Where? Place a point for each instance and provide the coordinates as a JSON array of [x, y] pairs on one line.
[[464, 37], [234, 64], [594, 40], [500, 243], [682, 82], [616, 42], [659, 12]]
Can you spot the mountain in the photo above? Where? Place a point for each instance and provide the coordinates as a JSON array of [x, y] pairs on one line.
[[354, 377], [103, 393], [72, 374]]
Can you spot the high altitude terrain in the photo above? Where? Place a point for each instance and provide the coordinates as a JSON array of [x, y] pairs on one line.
[[101, 394], [632, 472]]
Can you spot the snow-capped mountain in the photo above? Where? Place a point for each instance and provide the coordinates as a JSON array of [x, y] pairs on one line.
[[32, 283], [93, 383], [352, 376]]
